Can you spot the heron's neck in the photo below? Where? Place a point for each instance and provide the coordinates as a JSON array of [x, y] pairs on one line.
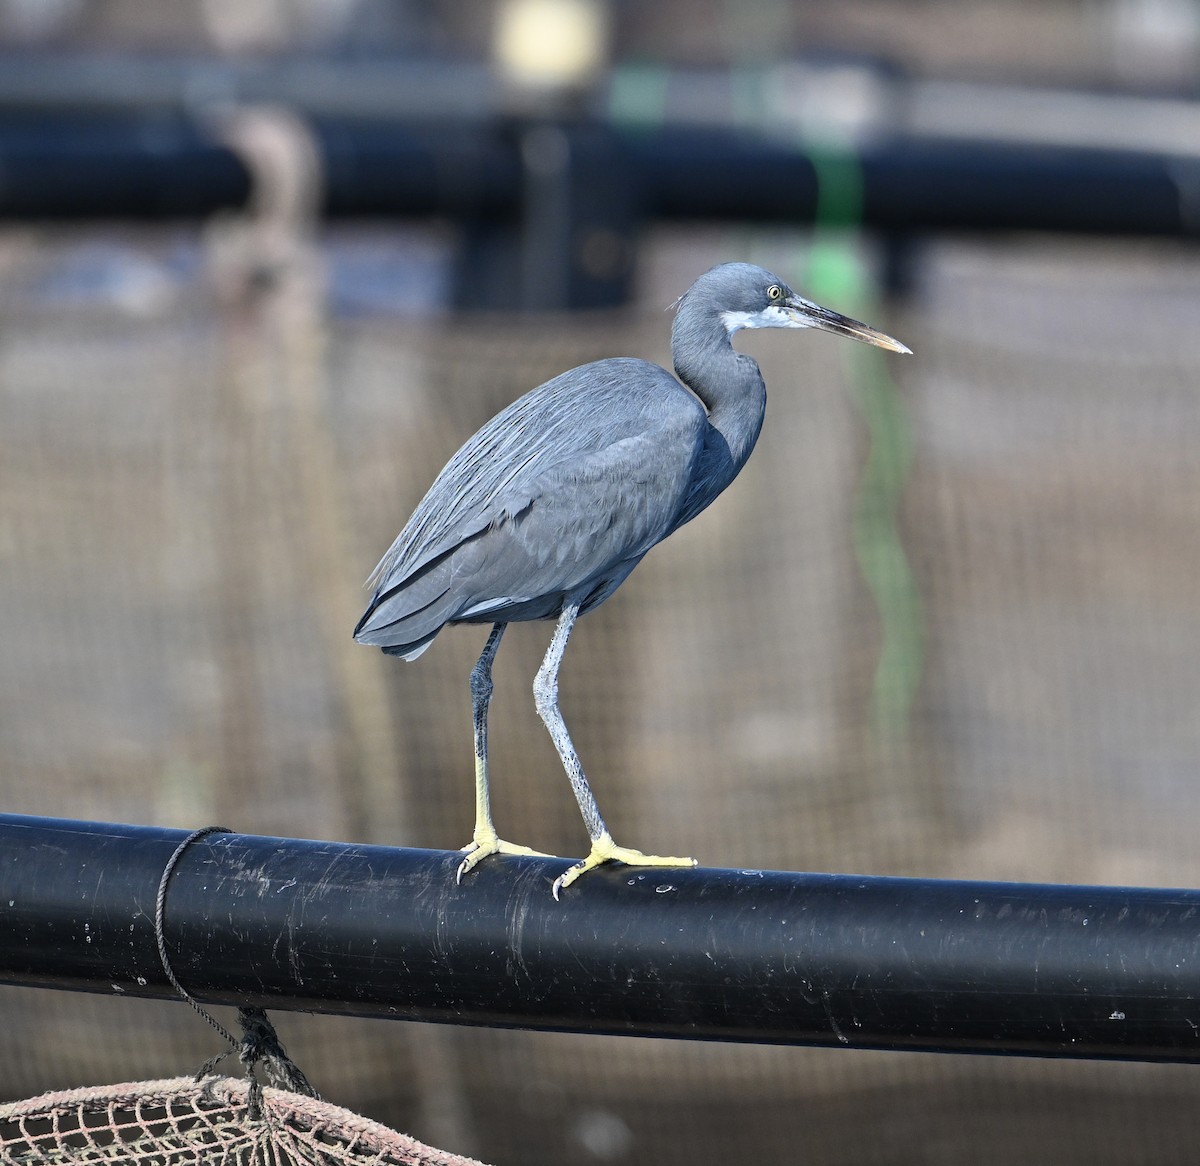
[[728, 382]]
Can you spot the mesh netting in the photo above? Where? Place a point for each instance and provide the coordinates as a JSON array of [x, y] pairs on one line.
[[184, 1122], [193, 490]]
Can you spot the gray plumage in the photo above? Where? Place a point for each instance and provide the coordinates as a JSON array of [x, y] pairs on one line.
[[546, 510], [501, 534]]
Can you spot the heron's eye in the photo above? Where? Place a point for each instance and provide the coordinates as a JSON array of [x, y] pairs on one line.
[[774, 292]]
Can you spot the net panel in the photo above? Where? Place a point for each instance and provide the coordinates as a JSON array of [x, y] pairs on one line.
[[184, 1122], [177, 651]]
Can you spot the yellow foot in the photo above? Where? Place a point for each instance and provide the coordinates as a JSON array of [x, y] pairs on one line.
[[604, 850], [484, 845]]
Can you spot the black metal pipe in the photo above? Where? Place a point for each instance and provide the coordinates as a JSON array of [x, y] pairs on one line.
[[134, 167], [169, 166], [707, 954], [923, 184], [160, 165]]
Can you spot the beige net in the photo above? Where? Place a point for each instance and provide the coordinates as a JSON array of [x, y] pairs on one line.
[[176, 650], [185, 1122]]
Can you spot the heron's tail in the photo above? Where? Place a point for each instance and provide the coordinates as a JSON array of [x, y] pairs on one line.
[[403, 619]]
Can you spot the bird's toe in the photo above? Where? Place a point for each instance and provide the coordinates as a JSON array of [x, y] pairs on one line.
[[605, 850], [480, 848]]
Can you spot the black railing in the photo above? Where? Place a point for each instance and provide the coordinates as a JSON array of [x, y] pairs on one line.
[[566, 200], [762, 956]]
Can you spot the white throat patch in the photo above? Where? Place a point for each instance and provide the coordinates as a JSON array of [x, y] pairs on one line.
[[770, 317]]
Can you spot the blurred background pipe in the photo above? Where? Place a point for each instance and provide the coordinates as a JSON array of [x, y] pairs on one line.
[[583, 189]]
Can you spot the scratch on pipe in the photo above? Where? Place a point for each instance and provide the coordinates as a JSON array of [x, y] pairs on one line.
[[833, 1024]]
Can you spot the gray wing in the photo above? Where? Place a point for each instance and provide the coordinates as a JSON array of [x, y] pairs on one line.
[[562, 492]]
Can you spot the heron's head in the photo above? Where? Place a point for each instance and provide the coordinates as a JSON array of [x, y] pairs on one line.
[[743, 295]]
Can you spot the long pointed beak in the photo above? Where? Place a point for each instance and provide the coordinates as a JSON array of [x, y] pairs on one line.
[[809, 315]]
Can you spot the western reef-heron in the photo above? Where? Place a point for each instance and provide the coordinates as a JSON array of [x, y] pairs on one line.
[[546, 510]]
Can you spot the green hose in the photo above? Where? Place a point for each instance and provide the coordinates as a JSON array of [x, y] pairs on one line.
[[835, 275]]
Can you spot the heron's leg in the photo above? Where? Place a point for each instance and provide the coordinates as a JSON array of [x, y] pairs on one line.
[[485, 840], [545, 696]]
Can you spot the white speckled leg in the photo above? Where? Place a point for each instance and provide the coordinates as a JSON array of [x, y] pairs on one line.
[[545, 696]]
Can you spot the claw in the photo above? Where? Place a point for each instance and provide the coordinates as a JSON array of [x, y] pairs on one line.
[[604, 849], [480, 848]]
